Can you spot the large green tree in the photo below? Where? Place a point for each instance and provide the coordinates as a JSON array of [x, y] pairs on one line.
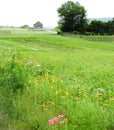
[[72, 17], [110, 27], [25, 26], [97, 26]]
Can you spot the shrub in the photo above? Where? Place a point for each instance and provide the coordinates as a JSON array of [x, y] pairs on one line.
[[76, 32], [13, 76], [89, 33]]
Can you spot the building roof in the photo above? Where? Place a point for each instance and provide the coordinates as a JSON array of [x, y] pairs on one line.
[[38, 25]]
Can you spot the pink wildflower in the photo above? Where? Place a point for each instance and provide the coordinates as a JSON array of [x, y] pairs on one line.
[[61, 116], [51, 122], [62, 122], [55, 119]]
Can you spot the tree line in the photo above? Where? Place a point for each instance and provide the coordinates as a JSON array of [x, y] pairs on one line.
[[73, 19]]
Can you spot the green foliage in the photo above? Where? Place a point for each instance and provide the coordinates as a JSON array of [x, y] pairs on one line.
[[72, 17], [110, 27], [56, 75], [89, 33], [100, 27], [13, 76], [25, 26], [58, 30], [76, 32]]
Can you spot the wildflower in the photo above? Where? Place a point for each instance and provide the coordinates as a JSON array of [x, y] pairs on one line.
[[101, 90], [66, 93], [44, 79], [38, 65], [61, 81], [112, 99], [62, 122], [61, 116], [52, 103], [57, 92], [51, 122], [79, 93], [65, 119], [46, 74], [96, 96], [104, 105], [55, 119], [29, 63], [53, 79]]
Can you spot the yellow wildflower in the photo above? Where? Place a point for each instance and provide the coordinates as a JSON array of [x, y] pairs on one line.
[[57, 92], [96, 96], [46, 74], [79, 93], [54, 80], [66, 93], [112, 99], [104, 105], [61, 81]]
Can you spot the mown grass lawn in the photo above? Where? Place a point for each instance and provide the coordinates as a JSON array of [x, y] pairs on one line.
[[53, 82]]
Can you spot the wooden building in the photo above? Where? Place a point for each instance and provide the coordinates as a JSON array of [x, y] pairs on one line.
[[38, 25]]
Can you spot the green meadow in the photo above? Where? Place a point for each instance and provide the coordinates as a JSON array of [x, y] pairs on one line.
[[54, 82]]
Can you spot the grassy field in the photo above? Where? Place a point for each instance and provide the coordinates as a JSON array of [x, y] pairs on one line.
[[53, 82]]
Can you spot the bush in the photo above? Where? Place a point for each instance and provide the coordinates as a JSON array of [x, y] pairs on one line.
[[59, 32], [89, 33], [13, 76], [76, 32]]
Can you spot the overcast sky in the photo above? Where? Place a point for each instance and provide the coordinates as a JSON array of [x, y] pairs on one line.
[[20, 12]]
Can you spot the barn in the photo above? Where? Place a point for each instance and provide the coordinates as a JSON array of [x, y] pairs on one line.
[[38, 25]]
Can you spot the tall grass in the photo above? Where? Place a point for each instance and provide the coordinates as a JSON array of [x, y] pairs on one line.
[[100, 38], [61, 85]]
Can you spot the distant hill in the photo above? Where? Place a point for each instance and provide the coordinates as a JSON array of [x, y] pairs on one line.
[[49, 27], [101, 19]]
